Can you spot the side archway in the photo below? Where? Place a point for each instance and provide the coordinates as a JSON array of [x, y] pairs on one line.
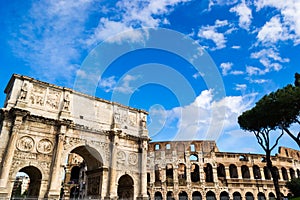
[[125, 188]]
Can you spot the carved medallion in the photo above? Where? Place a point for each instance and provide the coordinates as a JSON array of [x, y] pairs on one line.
[[44, 146], [25, 143], [121, 157], [132, 159]]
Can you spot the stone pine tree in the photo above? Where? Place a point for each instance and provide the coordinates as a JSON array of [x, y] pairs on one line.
[[258, 121]]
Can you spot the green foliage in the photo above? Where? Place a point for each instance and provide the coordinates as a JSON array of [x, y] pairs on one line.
[[294, 186]]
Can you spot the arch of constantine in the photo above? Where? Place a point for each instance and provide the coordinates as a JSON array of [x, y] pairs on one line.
[[75, 146], [42, 124]]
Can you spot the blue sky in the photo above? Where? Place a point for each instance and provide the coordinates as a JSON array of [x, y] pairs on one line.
[[253, 45]]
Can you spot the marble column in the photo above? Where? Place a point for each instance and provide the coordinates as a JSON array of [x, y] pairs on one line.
[[8, 157], [143, 170], [57, 167], [112, 186]]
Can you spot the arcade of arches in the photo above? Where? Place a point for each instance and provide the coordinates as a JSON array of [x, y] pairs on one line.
[[74, 146]]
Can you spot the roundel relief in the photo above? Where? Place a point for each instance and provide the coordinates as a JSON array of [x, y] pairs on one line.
[[25, 143], [44, 146], [132, 158]]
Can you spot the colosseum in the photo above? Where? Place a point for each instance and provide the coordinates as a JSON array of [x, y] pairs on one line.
[[197, 170]]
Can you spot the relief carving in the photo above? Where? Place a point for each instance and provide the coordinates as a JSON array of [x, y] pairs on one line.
[[25, 155], [37, 96], [53, 99], [71, 141], [120, 116], [24, 90], [25, 143], [44, 146], [132, 119], [133, 159], [67, 102], [121, 156]]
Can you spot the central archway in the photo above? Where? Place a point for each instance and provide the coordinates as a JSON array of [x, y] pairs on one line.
[[125, 188]]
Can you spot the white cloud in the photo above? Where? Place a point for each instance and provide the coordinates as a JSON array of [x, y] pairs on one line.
[[254, 71], [110, 84], [244, 13], [129, 15], [290, 15], [241, 87], [206, 118], [272, 32], [269, 58], [212, 33], [41, 37], [236, 47], [226, 67]]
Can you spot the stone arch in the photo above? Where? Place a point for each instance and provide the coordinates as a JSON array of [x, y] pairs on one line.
[[261, 196], [267, 173], [208, 173], [292, 173], [196, 196], [158, 196], [284, 173], [169, 175], [181, 174], [170, 195], [182, 196], [256, 172], [94, 169], [35, 182], [195, 175], [249, 196], [210, 195], [221, 171], [237, 196], [126, 187], [271, 196], [233, 171], [245, 171], [224, 195]]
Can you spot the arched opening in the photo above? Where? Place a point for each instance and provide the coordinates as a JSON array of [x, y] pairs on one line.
[[275, 169], [27, 183], [182, 196], [256, 172], [245, 171], [261, 196], [125, 188], [158, 196], [181, 174], [194, 157], [298, 173], [284, 173], [157, 176], [75, 172], [208, 173], [271, 196], [233, 171], [170, 195], [249, 196], [267, 173], [292, 173], [83, 174], [224, 196], [169, 175], [237, 196], [195, 176], [196, 196], [148, 178], [210, 195], [221, 171]]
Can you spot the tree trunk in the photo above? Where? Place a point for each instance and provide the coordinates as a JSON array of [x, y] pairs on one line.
[[274, 175]]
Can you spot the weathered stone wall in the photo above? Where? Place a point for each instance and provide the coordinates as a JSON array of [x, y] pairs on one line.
[[185, 160]]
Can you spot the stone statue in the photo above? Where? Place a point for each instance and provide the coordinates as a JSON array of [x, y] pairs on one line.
[[23, 92]]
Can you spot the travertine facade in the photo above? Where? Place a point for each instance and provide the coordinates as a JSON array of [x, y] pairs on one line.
[[197, 170], [41, 124]]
